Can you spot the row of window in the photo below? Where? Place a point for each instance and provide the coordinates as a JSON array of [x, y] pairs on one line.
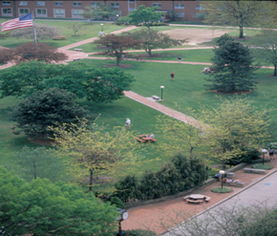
[[42, 12], [94, 4]]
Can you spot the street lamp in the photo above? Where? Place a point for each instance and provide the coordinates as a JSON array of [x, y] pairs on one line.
[[222, 175], [123, 216], [264, 151], [102, 27], [162, 92]]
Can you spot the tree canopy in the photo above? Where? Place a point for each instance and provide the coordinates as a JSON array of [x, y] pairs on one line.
[[40, 207], [238, 13], [94, 84], [151, 39], [46, 108], [145, 16], [232, 67], [235, 129], [100, 11]]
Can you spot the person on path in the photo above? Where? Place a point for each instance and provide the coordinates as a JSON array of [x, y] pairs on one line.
[[172, 75]]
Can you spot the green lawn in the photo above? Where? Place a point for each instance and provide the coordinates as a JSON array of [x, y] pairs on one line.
[[64, 28]]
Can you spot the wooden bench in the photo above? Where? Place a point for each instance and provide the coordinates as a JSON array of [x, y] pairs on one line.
[[254, 171], [156, 98]]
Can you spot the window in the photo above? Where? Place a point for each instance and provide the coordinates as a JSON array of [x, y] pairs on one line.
[[58, 4], [23, 11], [23, 3], [180, 14], [157, 5], [199, 7], [6, 3], [59, 13], [115, 5], [179, 6], [6, 11], [76, 4], [77, 13], [41, 12], [95, 4], [40, 3]]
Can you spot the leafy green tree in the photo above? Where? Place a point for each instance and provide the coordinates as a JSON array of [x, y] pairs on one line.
[[232, 67], [101, 11], [42, 208], [46, 108], [94, 150], [234, 130], [94, 84], [268, 41], [145, 16], [114, 45], [238, 13], [151, 39]]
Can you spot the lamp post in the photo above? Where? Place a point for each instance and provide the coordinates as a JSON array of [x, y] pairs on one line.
[[162, 92], [123, 216], [264, 151], [102, 27], [222, 175]]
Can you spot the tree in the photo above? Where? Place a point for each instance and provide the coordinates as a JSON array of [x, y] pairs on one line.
[[39, 52], [268, 41], [94, 150], [232, 70], [101, 11], [234, 130], [42, 208], [46, 108], [239, 13], [6, 55], [115, 45], [43, 32], [145, 16], [97, 85], [151, 39]]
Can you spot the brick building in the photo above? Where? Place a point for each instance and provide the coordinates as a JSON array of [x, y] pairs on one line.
[[183, 10]]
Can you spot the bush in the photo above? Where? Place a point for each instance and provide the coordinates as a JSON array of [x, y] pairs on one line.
[[123, 20], [139, 233], [249, 157], [179, 175]]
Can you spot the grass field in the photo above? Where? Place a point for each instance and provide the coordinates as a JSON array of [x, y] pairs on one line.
[[65, 29]]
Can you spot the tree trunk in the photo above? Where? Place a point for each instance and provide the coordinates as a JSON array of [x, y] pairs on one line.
[[275, 70], [241, 34], [118, 59], [90, 180], [150, 52], [34, 170]]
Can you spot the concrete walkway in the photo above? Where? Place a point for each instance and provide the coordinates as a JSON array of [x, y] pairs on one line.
[[163, 109], [263, 192]]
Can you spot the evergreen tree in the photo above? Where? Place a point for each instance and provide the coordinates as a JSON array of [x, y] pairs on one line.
[[232, 70]]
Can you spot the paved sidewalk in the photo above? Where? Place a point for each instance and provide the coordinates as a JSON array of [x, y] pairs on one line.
[[163, 109]]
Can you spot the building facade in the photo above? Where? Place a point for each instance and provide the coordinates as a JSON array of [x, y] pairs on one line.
[[182, 10]]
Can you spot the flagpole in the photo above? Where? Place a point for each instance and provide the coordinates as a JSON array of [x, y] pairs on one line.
[[34, 29]]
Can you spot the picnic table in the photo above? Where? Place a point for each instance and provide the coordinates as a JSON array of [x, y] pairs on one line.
[[145, 138], [196, 198]]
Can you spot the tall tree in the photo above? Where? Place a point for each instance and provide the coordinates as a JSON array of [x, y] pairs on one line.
[[238, 13], [151, 39], [234, 130], [94, 150], [42, 208], [145, 16], [47, 108], [115, 45], [268, 41], [100, 11], [232, 67]]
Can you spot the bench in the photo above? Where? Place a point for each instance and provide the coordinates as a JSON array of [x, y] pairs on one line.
[[254, 171], [78, 49], [157, 98], [198, 201]]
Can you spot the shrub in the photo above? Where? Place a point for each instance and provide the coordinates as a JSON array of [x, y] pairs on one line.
[[123, 20], [179, 175], [139, 233]]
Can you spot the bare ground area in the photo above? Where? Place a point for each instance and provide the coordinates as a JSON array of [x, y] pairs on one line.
[[195, 36]]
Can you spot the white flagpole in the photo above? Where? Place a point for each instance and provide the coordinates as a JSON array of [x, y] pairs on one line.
[[34, 29]]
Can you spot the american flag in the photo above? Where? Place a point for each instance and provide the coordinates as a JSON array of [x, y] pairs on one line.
[[17, 23]]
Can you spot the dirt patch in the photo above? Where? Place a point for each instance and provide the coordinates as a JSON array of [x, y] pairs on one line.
[[195, 36]]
